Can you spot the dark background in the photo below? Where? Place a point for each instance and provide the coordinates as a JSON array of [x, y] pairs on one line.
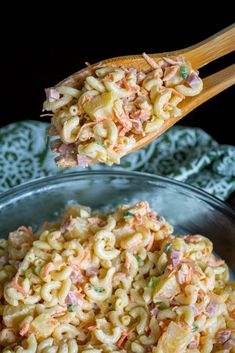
[[37, 52], [40, 47]]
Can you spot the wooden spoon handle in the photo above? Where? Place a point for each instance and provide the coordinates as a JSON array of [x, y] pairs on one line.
[[213, 85], [199, 55], [214, 47]]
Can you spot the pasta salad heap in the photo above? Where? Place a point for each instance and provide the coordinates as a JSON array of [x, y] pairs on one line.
[[102, 121], [113, 282]]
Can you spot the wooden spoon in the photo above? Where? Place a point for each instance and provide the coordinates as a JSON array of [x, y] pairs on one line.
[[198, 55]]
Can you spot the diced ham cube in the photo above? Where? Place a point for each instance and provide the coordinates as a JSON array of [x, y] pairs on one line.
[[52, 94]]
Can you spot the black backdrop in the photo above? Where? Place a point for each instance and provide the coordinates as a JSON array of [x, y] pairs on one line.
[[40, 47]]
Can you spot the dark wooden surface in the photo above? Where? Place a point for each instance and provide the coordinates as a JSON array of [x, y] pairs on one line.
[[39, 47]]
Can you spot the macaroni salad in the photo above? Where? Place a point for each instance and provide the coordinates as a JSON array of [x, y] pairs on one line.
[[113, 282], [102, 121]]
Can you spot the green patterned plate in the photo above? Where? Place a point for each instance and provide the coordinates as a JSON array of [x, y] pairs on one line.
[[186, 154]]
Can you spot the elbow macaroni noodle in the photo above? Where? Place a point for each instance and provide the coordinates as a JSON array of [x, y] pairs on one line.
[[113, 282], [102, 120]]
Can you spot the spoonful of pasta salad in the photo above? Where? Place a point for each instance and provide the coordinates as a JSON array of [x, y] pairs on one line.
[[117, 106]]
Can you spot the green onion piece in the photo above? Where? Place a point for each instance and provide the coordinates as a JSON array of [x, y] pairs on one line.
[[167, 248], [196, 327], [162, 271], [128, 214], [99, 143], [72, 307], [183, 71], [98, 289], [153, 282], [138, 258]]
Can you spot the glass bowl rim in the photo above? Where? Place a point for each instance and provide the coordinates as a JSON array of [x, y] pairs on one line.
[[17, 191]]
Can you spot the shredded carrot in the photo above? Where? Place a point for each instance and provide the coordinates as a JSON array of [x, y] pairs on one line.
[[187, 261], [80, 289], [46, 269], [127, 263], [233, 314], [163, 326], [123, 337], [203, 333], [86, 285], [24, 329], [17, 286], [125, 83], [150, 61], [123, 120], [162, 90], [198, 273], [136, 243], [85, 257], [188, 276], [215, 263], [59, 312], [171, 60], [171, 73], [172, 271], [28, 230], [150, 244], [91, 328], [119, 275], [204, 251], [107, 77], [192, 239], [85, 98]]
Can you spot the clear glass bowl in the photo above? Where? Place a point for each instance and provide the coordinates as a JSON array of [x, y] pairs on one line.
[[189, 209]]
